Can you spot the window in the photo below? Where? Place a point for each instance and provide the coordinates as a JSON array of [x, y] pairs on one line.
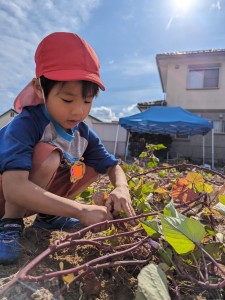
[[219, 126], [182, 136], [12, 114], [207, 78]]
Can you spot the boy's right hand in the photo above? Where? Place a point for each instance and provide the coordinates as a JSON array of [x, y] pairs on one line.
[[92, 214]]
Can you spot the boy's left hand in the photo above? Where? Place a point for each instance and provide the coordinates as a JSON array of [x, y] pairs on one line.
[[119, 199]]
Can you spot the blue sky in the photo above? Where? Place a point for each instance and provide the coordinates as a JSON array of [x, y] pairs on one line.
[[126, 35]]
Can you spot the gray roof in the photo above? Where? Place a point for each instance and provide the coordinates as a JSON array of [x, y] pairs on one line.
[[2, 113], [210, 51]]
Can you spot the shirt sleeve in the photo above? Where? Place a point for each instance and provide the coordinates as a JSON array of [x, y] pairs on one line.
[[17, 140], [96, 156]]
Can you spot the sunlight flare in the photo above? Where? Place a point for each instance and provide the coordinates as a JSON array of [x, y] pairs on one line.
[[183, 5]]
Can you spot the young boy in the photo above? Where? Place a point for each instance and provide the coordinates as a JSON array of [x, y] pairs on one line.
[[48, 154]]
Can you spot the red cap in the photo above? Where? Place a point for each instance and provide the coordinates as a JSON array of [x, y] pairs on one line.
[[62, 56]]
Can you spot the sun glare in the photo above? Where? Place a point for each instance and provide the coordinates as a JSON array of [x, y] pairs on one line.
[[183, 5]]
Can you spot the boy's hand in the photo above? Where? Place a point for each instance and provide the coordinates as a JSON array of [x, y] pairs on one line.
[[92, 214], [119, 199]]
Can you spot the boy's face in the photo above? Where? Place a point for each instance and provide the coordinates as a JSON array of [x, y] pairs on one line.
[[66, 105]]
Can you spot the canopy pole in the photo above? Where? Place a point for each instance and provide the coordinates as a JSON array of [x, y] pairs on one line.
[[203, 149], [116, 139], [128, 137], [213, 148]]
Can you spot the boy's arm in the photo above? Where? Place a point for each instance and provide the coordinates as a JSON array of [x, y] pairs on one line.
[[119, 199], [22, 194]]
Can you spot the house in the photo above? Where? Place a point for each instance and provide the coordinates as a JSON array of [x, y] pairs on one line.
[[7, 116], [195, 81], [90, 120]]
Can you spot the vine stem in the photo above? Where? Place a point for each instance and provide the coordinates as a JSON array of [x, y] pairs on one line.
[[212, 259], [175, 285], [75, 270], [101, 266], [176, 166]]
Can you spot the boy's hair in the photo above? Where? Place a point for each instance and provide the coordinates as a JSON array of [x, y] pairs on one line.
[[89, 89]]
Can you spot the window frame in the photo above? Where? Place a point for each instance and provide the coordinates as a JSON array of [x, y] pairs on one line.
[[182, 137], [203, 69], [221, 127]]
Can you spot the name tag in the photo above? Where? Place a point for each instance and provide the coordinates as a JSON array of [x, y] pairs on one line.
[[77, 171]]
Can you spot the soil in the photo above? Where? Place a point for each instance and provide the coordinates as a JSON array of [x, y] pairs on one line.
[[117, 283]]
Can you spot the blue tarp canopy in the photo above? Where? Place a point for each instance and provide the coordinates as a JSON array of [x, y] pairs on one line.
[[167, 120]]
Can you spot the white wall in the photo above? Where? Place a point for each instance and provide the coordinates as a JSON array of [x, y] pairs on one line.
[[6, 118], [109, 133]]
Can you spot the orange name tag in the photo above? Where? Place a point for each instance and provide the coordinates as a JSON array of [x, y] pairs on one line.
[[77, 171]]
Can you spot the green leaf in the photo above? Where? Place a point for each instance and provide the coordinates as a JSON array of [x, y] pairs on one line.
[[152, 284], [147, 189], [132, 184], [170, 211], [159, 147], [166, 255], [215, 249], [86, 194], [162, 174], [152, 163], [210, 231], [144, 206], [220, 208], [151, 227], [143, 154], [181, 234]]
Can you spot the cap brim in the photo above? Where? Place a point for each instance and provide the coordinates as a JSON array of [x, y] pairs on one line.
[[69, 75]]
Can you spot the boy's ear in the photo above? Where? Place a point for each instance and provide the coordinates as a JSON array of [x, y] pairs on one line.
[[37, 88]]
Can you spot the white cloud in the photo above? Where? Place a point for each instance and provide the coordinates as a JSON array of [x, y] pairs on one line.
[[217, 5], [103, 113], [106, 114], [24, 23], [129, 111]]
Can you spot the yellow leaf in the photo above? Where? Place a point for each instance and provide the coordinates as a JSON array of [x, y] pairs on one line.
[[222, 199], [139, 184], [203, 187], [194, 178], [61, 265], [160, 190], [208, 188], [165, 165], [206, 211], [67, 278]]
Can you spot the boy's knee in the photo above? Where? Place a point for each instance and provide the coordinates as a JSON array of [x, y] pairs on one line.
[[51, 163], [42, 173]]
